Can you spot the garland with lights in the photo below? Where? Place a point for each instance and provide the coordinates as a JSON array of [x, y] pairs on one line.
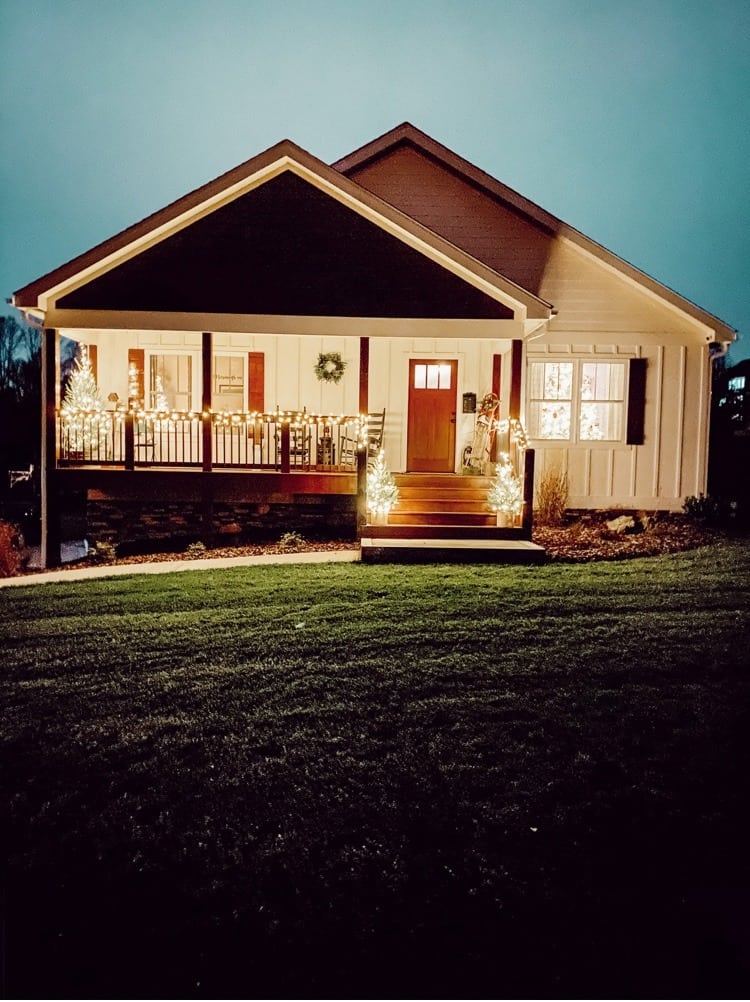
[[330, 367]]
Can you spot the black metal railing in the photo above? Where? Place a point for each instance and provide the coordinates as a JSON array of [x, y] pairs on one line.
[[282, 441]]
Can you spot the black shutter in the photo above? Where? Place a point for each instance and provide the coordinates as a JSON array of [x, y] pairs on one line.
[[636, 401]]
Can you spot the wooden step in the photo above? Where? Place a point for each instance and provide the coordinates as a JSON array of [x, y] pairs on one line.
[[397, 517], [444, 493], [440, 503], [449, 480], [392, 531]]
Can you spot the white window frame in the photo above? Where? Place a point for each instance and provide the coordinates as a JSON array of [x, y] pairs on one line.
[[575, 401], [245, 381], [195, 385]]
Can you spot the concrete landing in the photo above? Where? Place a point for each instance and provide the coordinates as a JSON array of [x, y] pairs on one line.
[[391, 549]]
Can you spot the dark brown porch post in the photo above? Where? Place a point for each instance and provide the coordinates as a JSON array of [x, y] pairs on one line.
[[206, 363], [497, 364], [364, 375], [207, 492], [516, 375], [50, 490], [361, 489], [527, 519]]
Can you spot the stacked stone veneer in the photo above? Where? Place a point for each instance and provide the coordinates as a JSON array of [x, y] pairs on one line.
[[129, 523]]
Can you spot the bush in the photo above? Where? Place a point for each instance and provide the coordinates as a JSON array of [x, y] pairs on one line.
[[196, 550], [291, 541], [103, 553], [552, 497], [703, 509], [11, 550]]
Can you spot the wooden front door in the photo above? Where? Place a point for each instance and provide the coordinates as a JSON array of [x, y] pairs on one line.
[[431, 435]]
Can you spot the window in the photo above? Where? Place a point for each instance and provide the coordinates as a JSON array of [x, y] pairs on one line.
[[551, 399], [432, 376], [228, 390], [602, 395], [170, 382], [582, 401]]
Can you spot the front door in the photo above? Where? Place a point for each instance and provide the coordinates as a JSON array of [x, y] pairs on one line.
[[431, 436]]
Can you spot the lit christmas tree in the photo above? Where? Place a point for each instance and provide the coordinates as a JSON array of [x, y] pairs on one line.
[[382, 493], [162, 404], [506, 493], [83, 408]]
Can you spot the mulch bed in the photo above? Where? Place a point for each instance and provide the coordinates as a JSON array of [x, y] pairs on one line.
[[588, 538], [585, 539]]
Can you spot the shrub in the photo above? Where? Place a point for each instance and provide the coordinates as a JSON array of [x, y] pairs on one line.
[[11, 550], [704, 509], [103, 552], [197, 549], [552, 496], [291, 541]]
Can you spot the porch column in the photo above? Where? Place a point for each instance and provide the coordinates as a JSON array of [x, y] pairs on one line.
[[516, 376], [527, 518], [364, 374], [207, 493], [206, 365], [50, 491], [497, 368]]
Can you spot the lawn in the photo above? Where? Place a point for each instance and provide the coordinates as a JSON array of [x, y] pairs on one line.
[[396, 782]]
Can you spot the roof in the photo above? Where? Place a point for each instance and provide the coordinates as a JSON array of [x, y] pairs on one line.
[[337, 182], [407, 134], [283, 156]]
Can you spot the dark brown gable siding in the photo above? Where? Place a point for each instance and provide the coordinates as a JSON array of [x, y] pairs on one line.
[[285, 248], [461, 212]]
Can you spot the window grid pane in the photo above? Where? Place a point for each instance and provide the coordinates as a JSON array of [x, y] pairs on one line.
[[420, 377]]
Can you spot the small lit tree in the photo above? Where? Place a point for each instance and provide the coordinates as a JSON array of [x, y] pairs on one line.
[[382, 492], [506, 493], [83, 407]]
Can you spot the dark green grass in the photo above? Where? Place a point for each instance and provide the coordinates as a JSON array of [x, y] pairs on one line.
[[347, 781]]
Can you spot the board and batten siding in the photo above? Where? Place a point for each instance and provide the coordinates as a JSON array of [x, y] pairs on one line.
[[290, 382], [389, 384], [670, 464]]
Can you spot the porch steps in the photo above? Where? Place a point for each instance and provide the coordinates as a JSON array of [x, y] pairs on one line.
[[441, 499], [444, 518]]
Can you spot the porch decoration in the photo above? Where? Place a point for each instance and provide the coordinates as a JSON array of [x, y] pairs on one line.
[[506, 493], [330, 367], [382, 492], [82, 406]]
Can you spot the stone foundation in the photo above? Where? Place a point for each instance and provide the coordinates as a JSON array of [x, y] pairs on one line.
[[140, 525]]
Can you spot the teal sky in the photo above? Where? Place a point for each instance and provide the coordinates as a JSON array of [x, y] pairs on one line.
[[629, 120]]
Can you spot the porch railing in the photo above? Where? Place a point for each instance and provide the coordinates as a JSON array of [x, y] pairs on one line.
[[281, 441]]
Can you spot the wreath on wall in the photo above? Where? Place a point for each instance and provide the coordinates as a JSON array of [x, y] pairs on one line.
[[330, 367]]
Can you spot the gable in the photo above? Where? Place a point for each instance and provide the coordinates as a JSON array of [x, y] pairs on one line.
[[497, 234], [285, 248], [516, 237]]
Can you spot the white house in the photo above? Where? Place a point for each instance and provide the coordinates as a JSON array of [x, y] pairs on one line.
[[249, 329]]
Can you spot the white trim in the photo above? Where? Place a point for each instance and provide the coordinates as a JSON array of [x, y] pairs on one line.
[[255, 180]]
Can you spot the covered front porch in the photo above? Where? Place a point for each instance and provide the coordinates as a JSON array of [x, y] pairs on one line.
[[280, 464], [244, 336]]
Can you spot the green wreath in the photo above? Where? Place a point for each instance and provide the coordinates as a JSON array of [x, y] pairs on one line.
[[330, 367]]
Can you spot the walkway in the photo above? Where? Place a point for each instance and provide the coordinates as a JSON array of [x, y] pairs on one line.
[[170, 566]]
